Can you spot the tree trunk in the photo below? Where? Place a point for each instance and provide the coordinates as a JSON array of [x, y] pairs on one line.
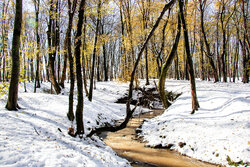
[[167, 64], [79, 107], [37, 80], [208, 53], [94, 52], [52, 52], [195, 103], [83, 58], [68, 54], [13, 89], [245, 51]]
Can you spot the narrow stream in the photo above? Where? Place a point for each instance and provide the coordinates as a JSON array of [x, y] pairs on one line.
[[126, 145]]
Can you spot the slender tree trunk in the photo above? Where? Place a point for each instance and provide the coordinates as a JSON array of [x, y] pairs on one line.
[[71, 12], [217, 47], [245, 47], [202, 60], [37, 80], [94, 52], [78, 41], [167, 64], [13, 89], [208, 53], [52, 54], [83, 57], [195, 103]]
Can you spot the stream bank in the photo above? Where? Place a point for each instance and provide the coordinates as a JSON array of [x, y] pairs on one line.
[[126, 144]]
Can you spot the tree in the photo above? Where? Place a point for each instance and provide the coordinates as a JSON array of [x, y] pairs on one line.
[[52, 47], [167, 64], [209, 54], [68, 53], [13, 89], [79, 107], [37, 80], [90, 95], [195, 103], [246, 43]]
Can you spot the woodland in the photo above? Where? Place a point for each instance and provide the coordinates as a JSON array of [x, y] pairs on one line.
[[63, 41], [83, 42], [64, 63]]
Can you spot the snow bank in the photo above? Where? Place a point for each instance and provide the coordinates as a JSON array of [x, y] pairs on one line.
[[37, 134], [219, 131]]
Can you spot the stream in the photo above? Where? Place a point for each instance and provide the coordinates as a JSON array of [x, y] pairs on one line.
[[126, 145]]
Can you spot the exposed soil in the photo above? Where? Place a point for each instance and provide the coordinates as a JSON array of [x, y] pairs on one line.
[[148, 97], [126, 143]]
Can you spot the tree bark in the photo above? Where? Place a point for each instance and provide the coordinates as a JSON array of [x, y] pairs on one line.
[[52, 52], [71, 12], [13, 89], [83, 57], [167, 64], [208, 53], [195, 103], [79, 107], [94, 52], [37, 80], [245, 51]]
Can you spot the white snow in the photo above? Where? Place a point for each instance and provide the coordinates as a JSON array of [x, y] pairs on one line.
[[30, 136], [219, 129]]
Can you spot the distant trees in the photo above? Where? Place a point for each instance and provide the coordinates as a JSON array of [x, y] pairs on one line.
[[109, 37], [15, 70]]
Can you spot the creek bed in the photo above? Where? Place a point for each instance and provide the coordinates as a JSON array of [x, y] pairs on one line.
[[127, 145]]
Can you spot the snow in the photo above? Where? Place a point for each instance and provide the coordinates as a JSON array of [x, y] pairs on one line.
[[218, 130], [32, 137]]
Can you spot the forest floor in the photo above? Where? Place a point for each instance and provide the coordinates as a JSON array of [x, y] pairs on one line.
[[36, 135], [127, 144]]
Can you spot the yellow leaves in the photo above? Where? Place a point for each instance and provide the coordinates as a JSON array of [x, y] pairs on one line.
[[217, 4]]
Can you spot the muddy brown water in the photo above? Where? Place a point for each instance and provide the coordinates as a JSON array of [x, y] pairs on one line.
[[126, 145]]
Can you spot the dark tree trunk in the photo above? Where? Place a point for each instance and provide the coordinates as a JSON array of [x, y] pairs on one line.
[[32, 69], [167, 64], [94, 52], [57, 39], [79, 107], [13, 89], [37, 80], [47, 68], [217, 47], [195, 104], [202, 72], [208, 53], [245, 46], [105, 62], [71, 12], [98, 69], [83, 58], [52, 53], [176, 67]]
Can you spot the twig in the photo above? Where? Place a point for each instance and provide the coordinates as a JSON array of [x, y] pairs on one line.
[[36, 131]]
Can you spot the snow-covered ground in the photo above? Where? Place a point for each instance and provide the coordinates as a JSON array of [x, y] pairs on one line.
[[220, 129], [218, 133], [32, 137]]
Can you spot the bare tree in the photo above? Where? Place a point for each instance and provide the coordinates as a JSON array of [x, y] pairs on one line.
[[13, 89]]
